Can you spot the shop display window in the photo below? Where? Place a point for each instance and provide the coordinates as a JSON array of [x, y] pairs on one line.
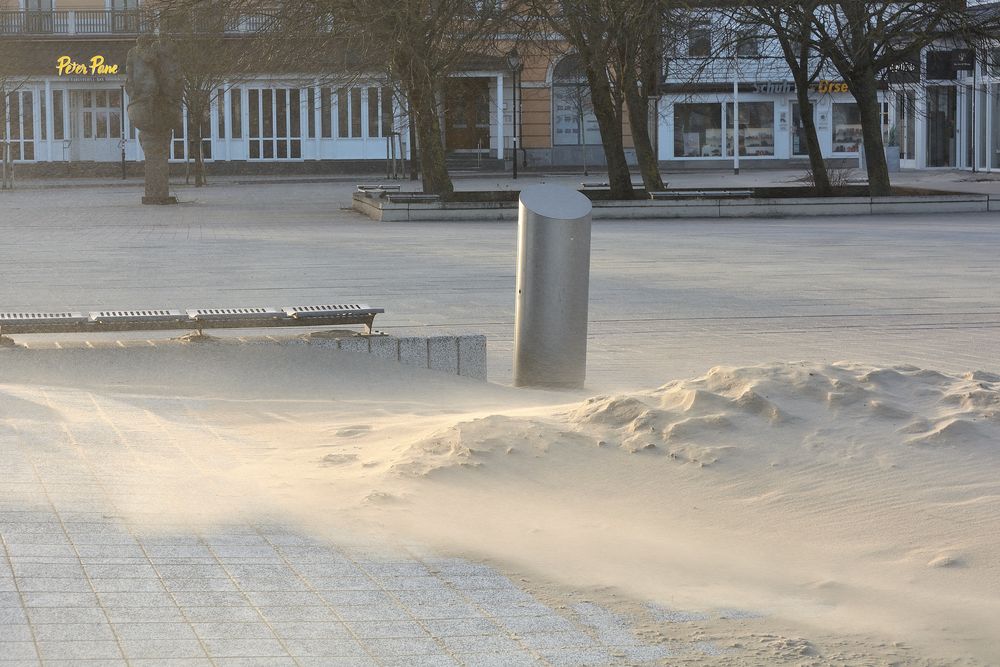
[[698, 130], [756, 125], [847, 137]]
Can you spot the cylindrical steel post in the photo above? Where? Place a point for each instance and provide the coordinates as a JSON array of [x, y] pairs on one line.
[[553, 285]]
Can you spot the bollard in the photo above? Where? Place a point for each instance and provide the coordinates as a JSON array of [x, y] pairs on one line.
[[553, 282]]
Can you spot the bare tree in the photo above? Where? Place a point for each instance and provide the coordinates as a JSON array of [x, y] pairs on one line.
[[620, 46], [864, 39], [417, 44], [10, 83], [789, 26], [638, 61], [213, 54]]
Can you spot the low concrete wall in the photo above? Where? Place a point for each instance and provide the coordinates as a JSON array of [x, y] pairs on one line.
[[463, 355], [456, 355], [383, 210]]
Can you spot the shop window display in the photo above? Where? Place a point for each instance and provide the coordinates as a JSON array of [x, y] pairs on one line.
[[756, 124], [698, 130], [847, 137]]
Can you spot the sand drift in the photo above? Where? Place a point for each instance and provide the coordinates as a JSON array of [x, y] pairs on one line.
[[859, 504]]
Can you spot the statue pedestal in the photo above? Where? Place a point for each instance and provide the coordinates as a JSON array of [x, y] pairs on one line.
[[157, 168]]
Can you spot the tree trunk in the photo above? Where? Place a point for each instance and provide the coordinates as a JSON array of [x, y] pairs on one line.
[[820, 176], [866, 94], [638, 115], [199, 155], [432, 163], [609, 119]]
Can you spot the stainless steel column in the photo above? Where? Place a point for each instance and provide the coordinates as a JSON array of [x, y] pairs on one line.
[[553, 284]]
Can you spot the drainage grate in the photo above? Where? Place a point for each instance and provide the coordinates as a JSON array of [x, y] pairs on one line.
[[41, 318], [233, 313], [332, 310], [136, 315]]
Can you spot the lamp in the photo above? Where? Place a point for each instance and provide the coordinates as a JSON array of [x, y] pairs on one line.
[[516, 64]]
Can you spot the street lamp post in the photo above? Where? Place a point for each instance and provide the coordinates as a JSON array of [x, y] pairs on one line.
[[516, 64]]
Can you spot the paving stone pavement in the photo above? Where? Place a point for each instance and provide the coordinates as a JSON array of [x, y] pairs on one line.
[[91, 575]]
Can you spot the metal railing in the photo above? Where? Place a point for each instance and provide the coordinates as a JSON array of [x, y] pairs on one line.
[[120, 22], [69, 22]]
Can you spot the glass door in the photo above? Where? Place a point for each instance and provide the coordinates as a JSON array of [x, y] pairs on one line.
[[942, 112], [275, 123], [799, 145], [906, 132]]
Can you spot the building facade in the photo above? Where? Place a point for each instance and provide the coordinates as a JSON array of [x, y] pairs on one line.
[[64, 63]]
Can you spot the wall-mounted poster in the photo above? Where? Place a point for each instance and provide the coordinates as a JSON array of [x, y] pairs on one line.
[[783, 121], [823, 120]]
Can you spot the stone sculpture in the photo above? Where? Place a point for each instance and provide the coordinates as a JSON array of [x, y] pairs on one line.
[[153, 84]]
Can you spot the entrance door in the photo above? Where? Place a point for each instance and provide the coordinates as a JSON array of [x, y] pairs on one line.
[[97, 124], [906, 128], [275, 123], [467, 114], [942, 114]]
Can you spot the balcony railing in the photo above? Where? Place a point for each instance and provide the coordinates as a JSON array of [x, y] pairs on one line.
[[112, 22], [73, 22]]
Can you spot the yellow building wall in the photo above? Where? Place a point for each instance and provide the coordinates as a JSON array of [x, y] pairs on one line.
[[536, 107]]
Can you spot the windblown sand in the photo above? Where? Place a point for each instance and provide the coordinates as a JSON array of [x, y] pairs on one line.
[[854, 509]]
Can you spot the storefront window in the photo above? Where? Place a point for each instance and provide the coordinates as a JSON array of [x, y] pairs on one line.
[[994, 134], [698, 130], [847, 137], [57, 115], [236, 113], [756, 125], [20, 121]]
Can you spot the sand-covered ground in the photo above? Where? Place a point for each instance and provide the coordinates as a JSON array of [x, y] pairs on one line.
[[847, 512]]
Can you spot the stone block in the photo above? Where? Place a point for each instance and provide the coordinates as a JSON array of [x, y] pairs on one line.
[[354, 344], [472, 357], [384, 347], [442, 353], [413, 352]]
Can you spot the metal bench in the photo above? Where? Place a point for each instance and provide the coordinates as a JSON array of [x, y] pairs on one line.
[[605, 186], [379, 188], [700, 194], [203, 318], [413, 198]]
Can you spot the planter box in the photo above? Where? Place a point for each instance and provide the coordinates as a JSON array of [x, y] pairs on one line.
[[892, 158], [639, 209]]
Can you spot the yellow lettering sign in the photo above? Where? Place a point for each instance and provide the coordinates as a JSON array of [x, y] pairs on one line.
[[98, 66], [824, 87]]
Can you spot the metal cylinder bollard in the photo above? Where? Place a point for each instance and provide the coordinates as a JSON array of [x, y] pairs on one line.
[[553, 285]]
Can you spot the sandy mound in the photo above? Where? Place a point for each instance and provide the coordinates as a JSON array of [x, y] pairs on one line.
[[842, 495], [830, 501], [776, 414]]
